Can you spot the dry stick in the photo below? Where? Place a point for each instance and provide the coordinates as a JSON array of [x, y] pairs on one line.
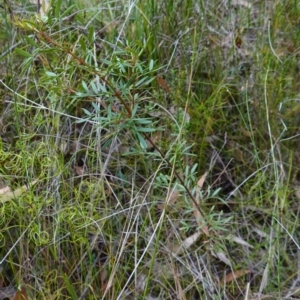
[[127, 108]]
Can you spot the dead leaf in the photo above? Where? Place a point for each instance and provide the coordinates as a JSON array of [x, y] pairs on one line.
[[173, 196], [5, 190], [241, 3], [197, 213], [239, 240], [200, 220], [79, 170], [233, 276], [180, 292], [246, 132], [21, 295], [213, 40], [201, 180], [222, 257], [140, 283], [155, 138], [7, 292], [265, 278], [238, 41], [163, 84], [187, 243], [227, 40], [43, 60], [43, 6], [9, 195], [110, 26], [103, 279]]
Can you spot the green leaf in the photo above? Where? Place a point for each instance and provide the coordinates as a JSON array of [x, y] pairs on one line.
[[144, 129], [96, 107], [23, 53], [106, 62], [122, 69], [30, 41], [149, 81], [57, 8], [82, 120], [65, 13], [140, 81], [84, 85], [91, 35], [26, 24], [81, 95], [142, 141], [88, 113], [82, 43], [102, 87], [109, 111], [102, 120], [151, 64], [70, 288], [134, 110], [94, 88], [51, 50], [144, 121], [194, 168], [216, 192], [139, 66], [26, 64], [129, 82], [50, 74]]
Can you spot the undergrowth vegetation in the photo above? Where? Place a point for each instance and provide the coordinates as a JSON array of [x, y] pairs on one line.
[[149, 149]]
